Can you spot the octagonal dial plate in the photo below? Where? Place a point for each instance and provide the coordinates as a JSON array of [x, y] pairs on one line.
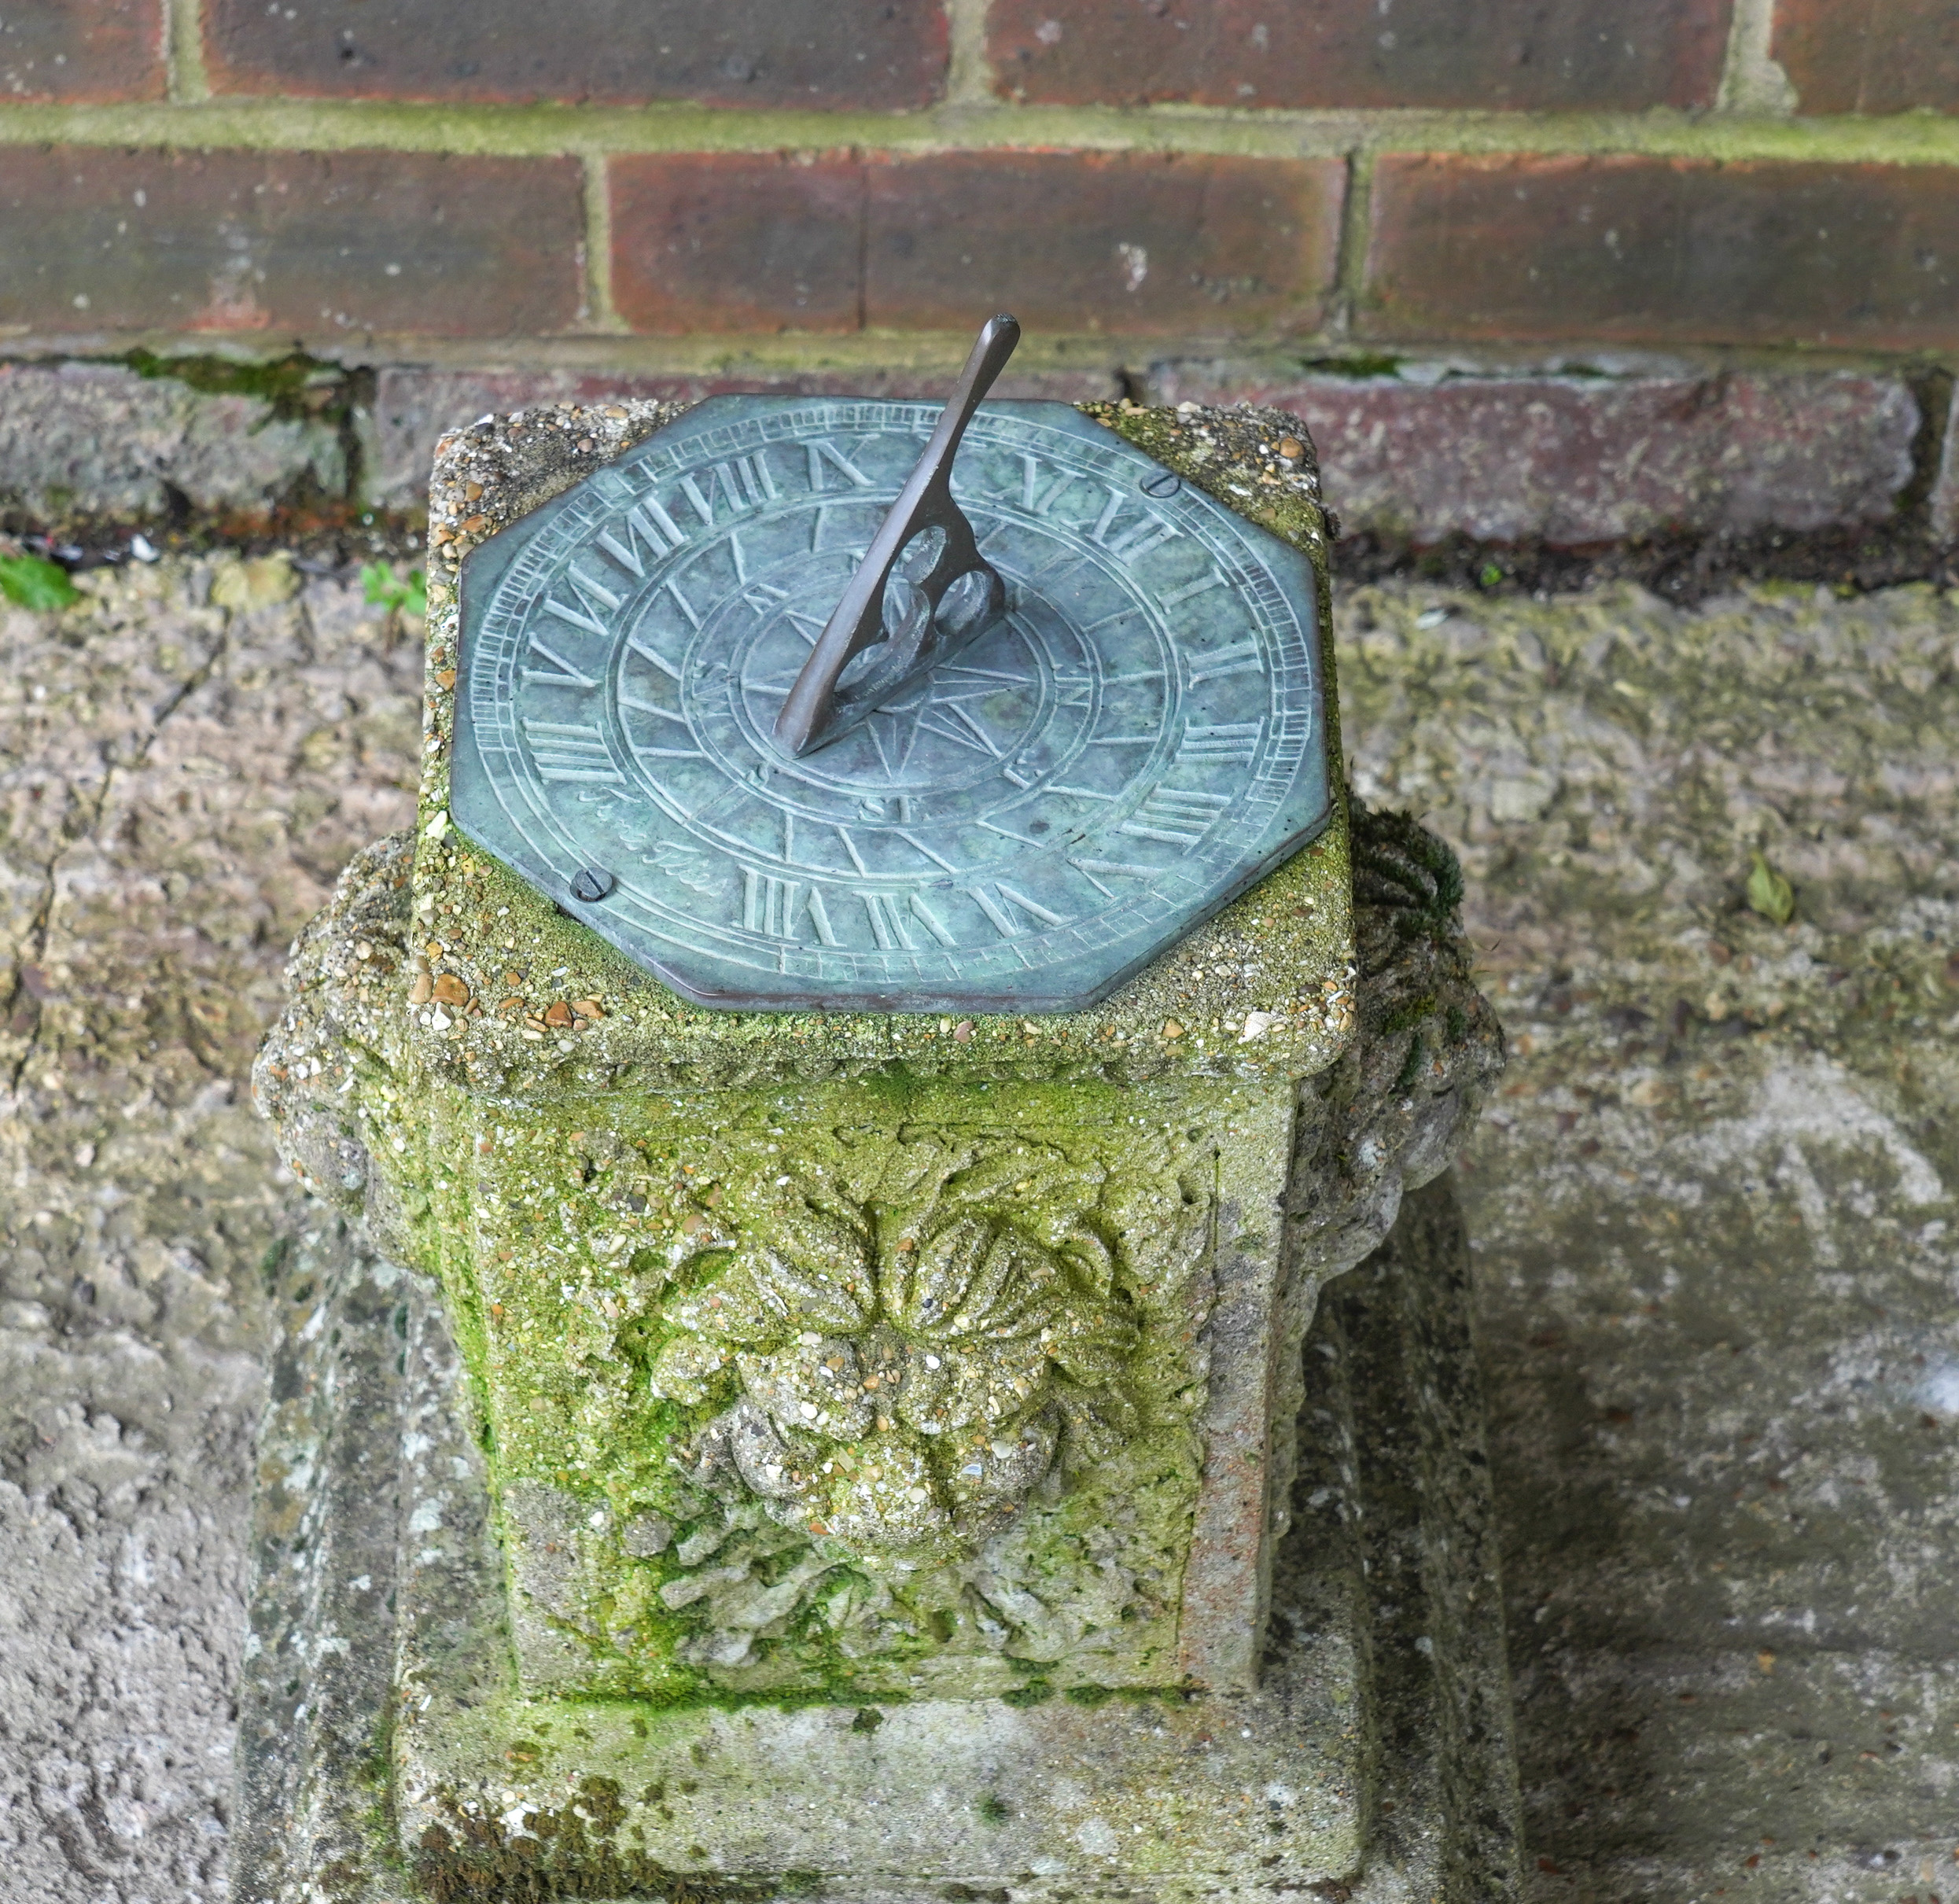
[[1139, 737]]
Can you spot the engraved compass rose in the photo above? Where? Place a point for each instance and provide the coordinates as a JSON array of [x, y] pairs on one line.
[[948, 704], [879, 705], [902, 740]]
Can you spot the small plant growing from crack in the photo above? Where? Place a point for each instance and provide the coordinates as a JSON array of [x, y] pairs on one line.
[[28, 581], [1769, 893], [400, 595]]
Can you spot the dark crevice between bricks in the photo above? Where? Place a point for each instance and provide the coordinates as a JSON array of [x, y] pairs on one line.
[[327, 541], [1681, 566], [1688, 566], [1931, 390], [1684, 567], [1361, 366]]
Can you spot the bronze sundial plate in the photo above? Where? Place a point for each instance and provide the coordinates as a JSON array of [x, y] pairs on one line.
[[1137, 738]]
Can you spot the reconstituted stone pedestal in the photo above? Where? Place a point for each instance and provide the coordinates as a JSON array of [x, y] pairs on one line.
[[1379, 1763], [457, 1704], [856, 1450]]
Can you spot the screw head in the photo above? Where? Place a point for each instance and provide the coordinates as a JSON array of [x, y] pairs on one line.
[[592, 882], [1161, 486]]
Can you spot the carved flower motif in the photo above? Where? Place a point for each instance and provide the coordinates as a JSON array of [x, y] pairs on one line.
[[902, 1402]]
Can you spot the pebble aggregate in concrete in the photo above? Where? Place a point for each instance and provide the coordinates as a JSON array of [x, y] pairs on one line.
[[187, 758], [1712, 1212]]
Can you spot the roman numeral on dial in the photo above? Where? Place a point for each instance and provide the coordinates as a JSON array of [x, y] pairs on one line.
[[1137, 538], [1237, 741], [564, 750], [1034, 498], [1038, 495], [887, 924], [1178, 818], [647, 525], [1241, 658], [823, 451], [1208, 580], [744, 483], [1120, 868], [560, 674], [777, 908], [593, 598], [1003, 905], [896, 920]]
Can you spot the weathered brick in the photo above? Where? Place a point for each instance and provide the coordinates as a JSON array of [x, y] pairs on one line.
[[1615, 54], [738, 242], [413, 404], [98, 440], [303, 244], [72, 51], [1655, 250], [1574, 461], [755, 53], [1129, 242], [1869, 56], [1121, 241]]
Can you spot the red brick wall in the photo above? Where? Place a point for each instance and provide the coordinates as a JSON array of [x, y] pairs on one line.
[[1207, 194]]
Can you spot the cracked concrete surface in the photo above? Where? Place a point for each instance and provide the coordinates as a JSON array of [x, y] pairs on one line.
[[1713, 1209], [186, 758]]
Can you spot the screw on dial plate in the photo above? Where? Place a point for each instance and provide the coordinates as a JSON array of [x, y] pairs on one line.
[[592, 882]]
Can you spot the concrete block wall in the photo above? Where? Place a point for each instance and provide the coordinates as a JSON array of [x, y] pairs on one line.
[[1567, 270]]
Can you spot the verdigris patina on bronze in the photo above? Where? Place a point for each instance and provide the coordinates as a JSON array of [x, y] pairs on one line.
[[1013, 800]]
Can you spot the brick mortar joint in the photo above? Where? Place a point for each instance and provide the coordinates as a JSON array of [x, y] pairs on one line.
[[601, 315], [249, 122], [969, 73], [1750, 80], [185, 79], [1350, 260]]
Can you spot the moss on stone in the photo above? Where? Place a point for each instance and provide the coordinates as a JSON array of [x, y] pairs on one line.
[[282, 384], [789, 1730], [566, 1237]]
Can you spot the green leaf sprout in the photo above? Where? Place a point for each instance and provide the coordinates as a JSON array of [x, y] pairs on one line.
[[1769, 893], [403, 595], [29, 582]]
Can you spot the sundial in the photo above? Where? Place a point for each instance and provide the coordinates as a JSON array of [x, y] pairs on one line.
[[889, 706]]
